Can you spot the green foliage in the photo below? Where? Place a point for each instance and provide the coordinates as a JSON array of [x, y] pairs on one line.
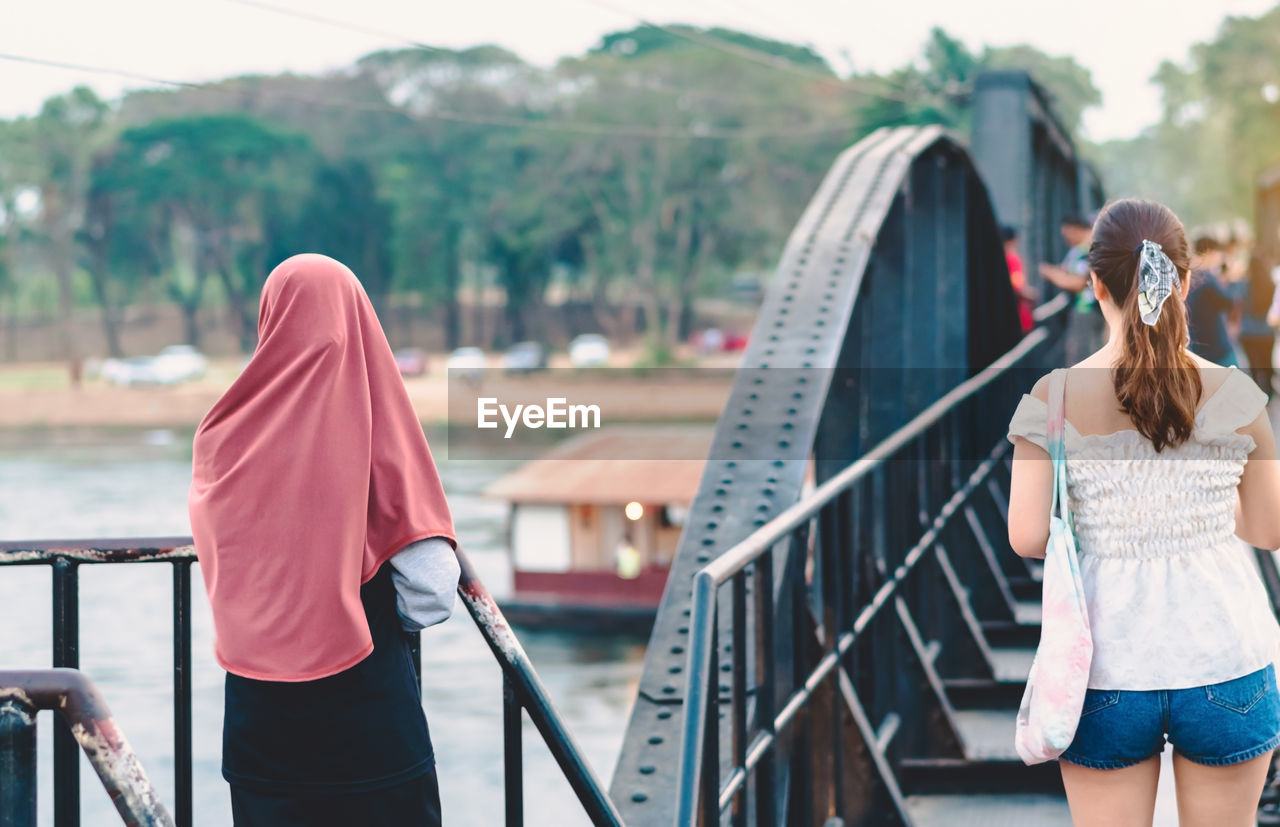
[[1219, 121], [936, 88], [343, 217], [200, 196], [641, 174], [645, 40]]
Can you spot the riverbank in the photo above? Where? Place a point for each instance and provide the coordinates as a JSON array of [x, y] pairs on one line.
[[41, 396]]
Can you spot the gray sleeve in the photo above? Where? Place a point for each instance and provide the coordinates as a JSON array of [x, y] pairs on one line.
[[425, 575]]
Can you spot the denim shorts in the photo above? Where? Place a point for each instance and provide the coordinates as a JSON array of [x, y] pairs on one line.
[[1219, 724]]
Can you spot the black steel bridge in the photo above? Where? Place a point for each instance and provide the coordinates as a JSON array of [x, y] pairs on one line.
[[845, 632]]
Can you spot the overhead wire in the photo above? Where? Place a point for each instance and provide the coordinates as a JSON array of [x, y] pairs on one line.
[[708, 41], [775, 22], [287, 11], [94, 70], [544, 125], [889, 90]]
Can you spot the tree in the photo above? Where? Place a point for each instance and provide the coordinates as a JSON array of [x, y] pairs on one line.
[[662, 214], [201, 191], [63, 137], [1220, 115], [344, 217], [440, 171], [16, 171], [645, 40]]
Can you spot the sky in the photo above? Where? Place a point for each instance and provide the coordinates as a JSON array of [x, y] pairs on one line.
[[1121, 42]]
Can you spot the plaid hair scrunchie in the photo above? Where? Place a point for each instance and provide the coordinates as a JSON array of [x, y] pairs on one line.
[[1157, 279]]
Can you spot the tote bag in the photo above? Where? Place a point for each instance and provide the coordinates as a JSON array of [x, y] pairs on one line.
[[1059, 676]]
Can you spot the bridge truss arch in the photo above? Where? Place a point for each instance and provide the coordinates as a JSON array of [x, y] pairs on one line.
[[891, 290]]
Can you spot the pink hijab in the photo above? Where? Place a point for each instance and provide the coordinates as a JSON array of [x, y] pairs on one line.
[[308, 474]]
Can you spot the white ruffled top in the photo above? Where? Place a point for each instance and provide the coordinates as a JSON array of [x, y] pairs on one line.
[[1175, 600]]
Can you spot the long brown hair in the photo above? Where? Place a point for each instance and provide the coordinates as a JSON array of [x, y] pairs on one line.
[[1156, 380]]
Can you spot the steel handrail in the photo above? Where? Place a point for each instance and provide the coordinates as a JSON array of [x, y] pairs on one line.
[[745, 552], [71, 694], [525, 688], [708, 579]]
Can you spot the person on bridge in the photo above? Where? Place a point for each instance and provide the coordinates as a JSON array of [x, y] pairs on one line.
[[1171, 462], [323, 534], [1026, 294], [1087, 329], [1209, 302]]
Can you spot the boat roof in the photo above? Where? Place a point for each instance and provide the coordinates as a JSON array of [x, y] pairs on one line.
[[616, 465]]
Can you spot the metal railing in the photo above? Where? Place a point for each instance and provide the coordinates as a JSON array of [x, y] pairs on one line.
[[859, 573], [80, 706], [64, 558], [523, 691]]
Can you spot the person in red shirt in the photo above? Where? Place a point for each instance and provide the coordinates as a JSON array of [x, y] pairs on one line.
[[1018, 278]]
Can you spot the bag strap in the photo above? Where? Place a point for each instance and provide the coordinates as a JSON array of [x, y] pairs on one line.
[[1056, 432]]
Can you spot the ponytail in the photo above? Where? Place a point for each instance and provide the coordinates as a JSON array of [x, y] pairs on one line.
[[1156, 381]]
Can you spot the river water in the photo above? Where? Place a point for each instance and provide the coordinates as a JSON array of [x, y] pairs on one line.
[[134, 484]]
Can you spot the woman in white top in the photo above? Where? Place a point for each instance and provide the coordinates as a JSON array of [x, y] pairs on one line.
[[1166, 475]]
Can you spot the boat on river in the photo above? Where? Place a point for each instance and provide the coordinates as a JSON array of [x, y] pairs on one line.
[[593, 524]]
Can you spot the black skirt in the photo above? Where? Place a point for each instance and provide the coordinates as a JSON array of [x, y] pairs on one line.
[[351, 735]]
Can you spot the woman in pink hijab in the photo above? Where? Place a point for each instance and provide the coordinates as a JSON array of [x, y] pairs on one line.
[[323, 534]]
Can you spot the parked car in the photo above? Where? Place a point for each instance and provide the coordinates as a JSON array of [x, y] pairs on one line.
[[589, 350], [467, 364], [710, 340], [524, 357], [411, 361], [174, 364]]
